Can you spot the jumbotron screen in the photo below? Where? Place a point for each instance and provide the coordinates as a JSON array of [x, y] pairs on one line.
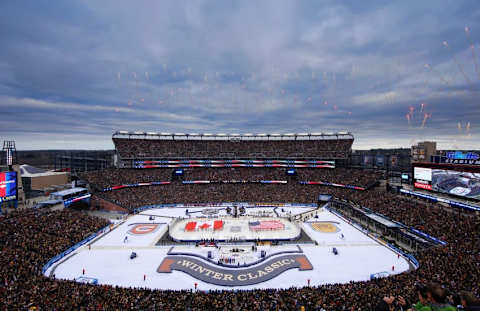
[[8, 186], [457, 183]]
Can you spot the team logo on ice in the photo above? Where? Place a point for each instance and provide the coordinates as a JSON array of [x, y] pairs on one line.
[[325, 227], [139, 229], [230, 277]]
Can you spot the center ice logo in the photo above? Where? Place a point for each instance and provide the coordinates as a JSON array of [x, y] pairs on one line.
[[238, 277], [139, 229]]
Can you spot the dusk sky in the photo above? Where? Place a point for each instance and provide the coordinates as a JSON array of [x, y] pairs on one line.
[[391, 72]]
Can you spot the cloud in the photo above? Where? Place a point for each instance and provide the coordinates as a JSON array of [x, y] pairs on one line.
[[84, 69]]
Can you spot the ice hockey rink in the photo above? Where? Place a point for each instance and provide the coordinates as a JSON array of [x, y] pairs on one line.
[[107, 258]]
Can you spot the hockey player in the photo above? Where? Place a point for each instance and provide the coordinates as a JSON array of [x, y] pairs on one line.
[[125, 240]]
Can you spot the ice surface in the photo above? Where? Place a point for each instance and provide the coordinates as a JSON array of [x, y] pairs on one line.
[[108, 258]]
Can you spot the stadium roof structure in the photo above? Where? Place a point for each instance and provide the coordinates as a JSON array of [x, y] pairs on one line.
[[28, 169], [68, 191], [199, 136], [31, 171], [384, 221]]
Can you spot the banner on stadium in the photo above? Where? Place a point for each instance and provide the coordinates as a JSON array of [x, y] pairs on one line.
[[422, 186], [440, 199], [235, 163], [234, 181], [153, 183], [66, 203], [323, 183], [266, 161], [465, 159], [238, 181]]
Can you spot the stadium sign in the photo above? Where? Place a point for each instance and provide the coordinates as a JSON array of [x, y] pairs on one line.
[[422, 186], [218, 275], [459, 157], [460, 161]]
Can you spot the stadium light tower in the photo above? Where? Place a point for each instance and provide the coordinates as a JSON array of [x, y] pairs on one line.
[[10, 152]]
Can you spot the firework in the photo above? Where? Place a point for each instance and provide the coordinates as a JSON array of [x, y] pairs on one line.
[[472, 46], [460, 68]]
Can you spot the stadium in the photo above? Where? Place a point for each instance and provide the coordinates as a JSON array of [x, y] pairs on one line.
[[239, 222], [240, 155]]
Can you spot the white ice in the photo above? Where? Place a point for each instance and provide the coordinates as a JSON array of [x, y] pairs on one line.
[[108, 258]]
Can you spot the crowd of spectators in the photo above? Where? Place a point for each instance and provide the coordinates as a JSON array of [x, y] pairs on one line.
[[131, 198], [114, 177], [247, 149], [28, 239], [355, 177], [339, 175]]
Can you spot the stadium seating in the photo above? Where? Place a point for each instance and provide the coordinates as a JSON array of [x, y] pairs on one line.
[[137, 148], [115, 177], [30, 238]]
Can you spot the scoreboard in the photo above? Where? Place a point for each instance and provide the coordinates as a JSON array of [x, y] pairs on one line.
[[8, 186], [449, 179]]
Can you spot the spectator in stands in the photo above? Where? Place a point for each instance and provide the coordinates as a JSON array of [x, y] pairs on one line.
[[437, 295], [423, 303], [469, 301], [29, 238], [436, 299], [391, 303]]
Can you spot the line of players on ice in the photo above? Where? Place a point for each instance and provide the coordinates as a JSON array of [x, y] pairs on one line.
[[125, 240], [334, 250]]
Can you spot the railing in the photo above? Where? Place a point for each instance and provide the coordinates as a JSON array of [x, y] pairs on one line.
[[358, 226], [432, 198]]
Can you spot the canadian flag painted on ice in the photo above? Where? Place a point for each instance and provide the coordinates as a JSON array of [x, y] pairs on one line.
[[204, 225]]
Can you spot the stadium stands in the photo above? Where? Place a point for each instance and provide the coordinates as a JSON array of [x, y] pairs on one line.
[[208, 146], [30, 238], [115, 177]]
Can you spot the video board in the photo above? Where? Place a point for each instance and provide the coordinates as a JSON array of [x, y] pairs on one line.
[[8, 186], [458, 183]]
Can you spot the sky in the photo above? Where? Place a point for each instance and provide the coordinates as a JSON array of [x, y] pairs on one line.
[[392, 73]]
